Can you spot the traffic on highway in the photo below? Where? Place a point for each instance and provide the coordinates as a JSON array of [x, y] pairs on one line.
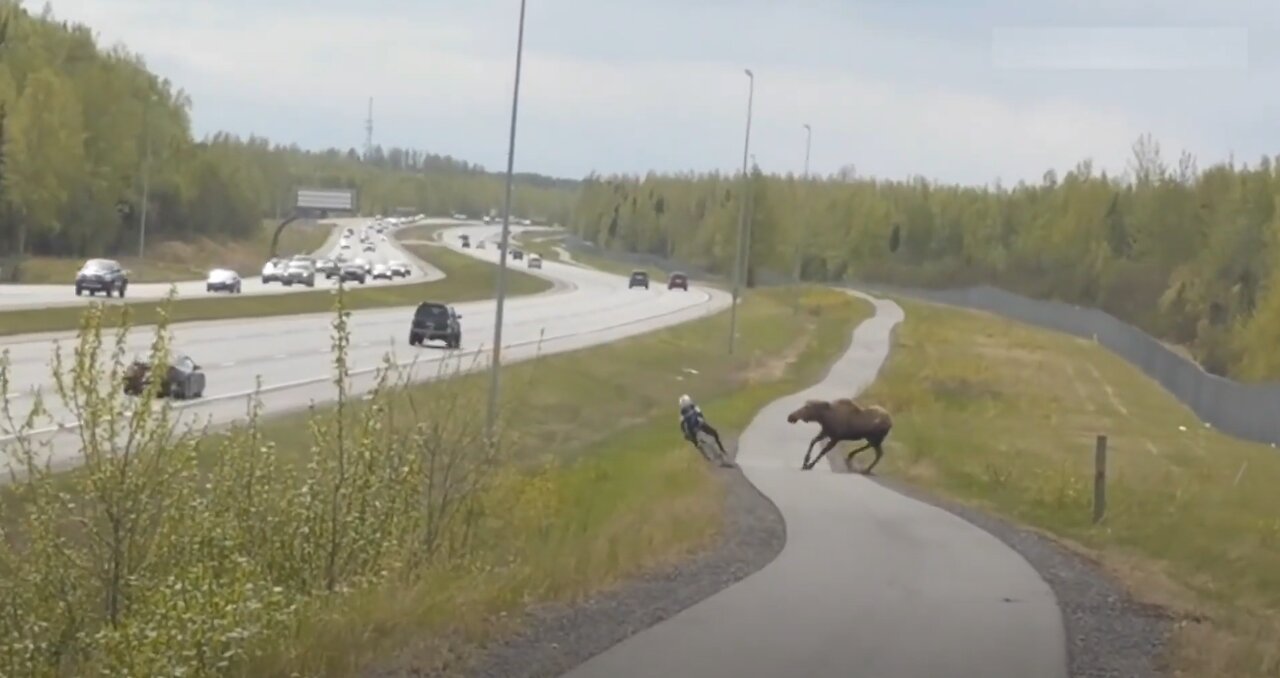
[[360, 245], [585, 307]]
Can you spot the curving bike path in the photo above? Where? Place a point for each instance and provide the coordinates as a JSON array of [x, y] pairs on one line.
[[870, 583]]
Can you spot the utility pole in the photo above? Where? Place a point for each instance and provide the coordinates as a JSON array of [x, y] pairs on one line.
[[803, 228], [368, 133], [496, 362], [742, 215], [146, 176]]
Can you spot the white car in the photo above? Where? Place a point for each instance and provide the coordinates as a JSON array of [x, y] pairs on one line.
[[224, 280], [400, 269], [273, 271], [381, 272]]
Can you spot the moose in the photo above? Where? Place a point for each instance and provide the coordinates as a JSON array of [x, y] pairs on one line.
[[844, 419]]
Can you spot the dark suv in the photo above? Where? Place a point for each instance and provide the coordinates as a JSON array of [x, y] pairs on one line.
[[639, 279], [102, 275], [436, 321], [678, 279]]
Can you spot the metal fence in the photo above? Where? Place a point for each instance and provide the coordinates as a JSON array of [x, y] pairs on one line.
[[1243, 410], [1248, 411]]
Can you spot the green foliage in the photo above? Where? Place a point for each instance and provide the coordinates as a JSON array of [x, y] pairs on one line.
[[173, 551], [78, 125], [1185, 254]]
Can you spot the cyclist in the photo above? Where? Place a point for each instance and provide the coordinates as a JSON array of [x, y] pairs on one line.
[[692, 420]]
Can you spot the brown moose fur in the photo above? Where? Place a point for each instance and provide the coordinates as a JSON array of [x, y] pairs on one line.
[[844, 419]]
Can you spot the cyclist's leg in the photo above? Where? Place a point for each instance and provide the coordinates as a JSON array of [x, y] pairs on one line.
[[714, 434]]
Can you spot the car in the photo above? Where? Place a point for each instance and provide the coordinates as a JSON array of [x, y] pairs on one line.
[[465, 240], [353, 270], [479, 245], [535, 261], [432, 320], [222, 280], [460, 216], [346, 245], [370, 247], [382, 272], [299, 271], [516, 254], [184, 378], [638, 279], [678, 279], [273, 271], [328, 267], [364, 263], [400, 269], [102, 275]]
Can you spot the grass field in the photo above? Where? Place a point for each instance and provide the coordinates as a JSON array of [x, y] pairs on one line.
[[1004, 416], [175, 261], [467, 279], [618, 491]]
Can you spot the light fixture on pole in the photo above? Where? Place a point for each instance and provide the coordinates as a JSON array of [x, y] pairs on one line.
[[495, 363], [742, 215]]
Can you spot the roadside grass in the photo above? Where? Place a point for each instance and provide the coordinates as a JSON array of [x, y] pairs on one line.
[[174, 260], [608, 488], [466, 279], [1004, 416]]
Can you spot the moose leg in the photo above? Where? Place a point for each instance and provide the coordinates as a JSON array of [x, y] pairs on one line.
[[827, 448], [848, 461], [879, 453], [809, 451]]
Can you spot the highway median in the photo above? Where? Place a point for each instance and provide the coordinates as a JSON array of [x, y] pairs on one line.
[[466, 279], [388, 531], [1004, 417]]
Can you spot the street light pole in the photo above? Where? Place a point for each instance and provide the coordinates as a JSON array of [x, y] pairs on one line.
[[742, 214], [146, 175], [808, 142], [495, 362]]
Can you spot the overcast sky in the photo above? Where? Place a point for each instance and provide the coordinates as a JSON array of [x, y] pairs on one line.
[[955, 90]]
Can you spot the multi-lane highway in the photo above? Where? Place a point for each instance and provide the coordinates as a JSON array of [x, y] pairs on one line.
[[386, 251], [292, 353]]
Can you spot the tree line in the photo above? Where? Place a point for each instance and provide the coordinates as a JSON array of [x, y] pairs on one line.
[[82, 125], [1187, 254]]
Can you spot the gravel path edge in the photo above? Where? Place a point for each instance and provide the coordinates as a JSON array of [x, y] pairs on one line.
[[1109, 634]]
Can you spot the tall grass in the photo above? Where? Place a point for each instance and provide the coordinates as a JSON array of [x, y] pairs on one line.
[[172, 550]]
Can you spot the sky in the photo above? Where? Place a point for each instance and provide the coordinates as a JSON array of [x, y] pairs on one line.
[[958, 91]]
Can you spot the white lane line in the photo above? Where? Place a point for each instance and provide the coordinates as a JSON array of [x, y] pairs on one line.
[[458, 353]]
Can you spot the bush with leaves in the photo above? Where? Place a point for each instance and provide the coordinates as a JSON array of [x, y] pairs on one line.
[[175, 549]]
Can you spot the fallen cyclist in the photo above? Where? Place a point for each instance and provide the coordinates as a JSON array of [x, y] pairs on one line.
[[692, 420]]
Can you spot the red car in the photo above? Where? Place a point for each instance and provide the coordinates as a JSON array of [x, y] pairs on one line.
[[678, 280]]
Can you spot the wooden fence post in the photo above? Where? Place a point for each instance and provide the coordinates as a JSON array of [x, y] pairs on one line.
[[1100, 479]]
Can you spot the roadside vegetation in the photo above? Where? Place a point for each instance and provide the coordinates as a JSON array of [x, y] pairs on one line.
[[176, 260], [466, 279], [1188, 254], [77, 119], [385, 529], [1003, 415]]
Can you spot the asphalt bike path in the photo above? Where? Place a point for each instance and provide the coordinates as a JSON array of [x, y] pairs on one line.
[[870, 584]]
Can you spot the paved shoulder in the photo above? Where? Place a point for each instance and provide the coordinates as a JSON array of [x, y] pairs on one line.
[[870, 583]]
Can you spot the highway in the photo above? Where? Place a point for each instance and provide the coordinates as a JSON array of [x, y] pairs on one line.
[[45, 296], [870, 583], [292, 353]]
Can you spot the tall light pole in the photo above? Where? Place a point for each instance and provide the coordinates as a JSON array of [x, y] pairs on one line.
[[808, 143], [495, 364], [742, 214], [146, 175]]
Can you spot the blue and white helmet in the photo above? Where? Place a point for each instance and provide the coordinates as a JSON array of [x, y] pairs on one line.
[[685, 401]]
